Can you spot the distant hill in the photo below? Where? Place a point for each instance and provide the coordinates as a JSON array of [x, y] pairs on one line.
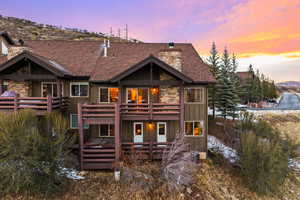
[[289, 86], [28, 30]]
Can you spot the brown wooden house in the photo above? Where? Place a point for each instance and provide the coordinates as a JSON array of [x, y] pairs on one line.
[[121, 98]]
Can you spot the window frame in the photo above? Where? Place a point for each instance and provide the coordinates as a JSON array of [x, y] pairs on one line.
[[165, 128], [193, 121], [109, 132], [80, 83], [71, 127], [148, 90], [52, 83], [201, 95], [108, 93]]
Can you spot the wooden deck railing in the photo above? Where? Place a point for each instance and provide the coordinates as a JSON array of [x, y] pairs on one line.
[[46, 104], [145, 150]]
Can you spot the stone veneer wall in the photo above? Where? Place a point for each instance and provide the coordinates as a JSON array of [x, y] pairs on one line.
[[168, 94], [172, 58], [16, 50], [22, 88]]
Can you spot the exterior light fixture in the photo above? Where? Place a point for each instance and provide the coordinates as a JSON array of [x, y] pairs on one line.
[[154, 91]]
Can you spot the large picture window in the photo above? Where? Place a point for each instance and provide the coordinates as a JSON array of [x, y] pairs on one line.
[[51, 88], [137, 95], [194, 128], [193, 95], [74, 122], [108, 95], [79, 89], [106, 130]]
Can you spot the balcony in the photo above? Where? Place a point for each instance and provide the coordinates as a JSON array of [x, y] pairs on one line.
[[41, 105]]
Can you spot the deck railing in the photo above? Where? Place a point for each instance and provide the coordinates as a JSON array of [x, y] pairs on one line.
[[46, 104]]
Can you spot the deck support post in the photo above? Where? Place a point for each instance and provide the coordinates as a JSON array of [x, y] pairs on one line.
[[59, 90], [49, 103], [117, 137], [16, 103], [80, 129], [181, 109]]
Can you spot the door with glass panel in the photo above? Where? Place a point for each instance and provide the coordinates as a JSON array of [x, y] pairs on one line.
[[138, 132], [161, 131], [50, 88], [138, 95]]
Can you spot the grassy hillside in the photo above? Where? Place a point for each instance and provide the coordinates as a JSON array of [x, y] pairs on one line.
[[28, 30]]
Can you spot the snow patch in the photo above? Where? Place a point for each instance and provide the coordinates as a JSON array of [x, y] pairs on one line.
[[71, 174]]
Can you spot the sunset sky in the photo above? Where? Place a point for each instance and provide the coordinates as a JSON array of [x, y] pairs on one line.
[[265, 33]]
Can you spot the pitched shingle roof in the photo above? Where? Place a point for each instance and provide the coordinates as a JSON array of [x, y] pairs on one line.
[[84, 58]]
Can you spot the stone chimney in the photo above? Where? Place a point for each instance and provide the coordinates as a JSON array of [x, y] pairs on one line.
[[172, 57], [16, 50]]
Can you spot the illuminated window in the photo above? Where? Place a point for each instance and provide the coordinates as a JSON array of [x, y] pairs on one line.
[[108, 95], [106, 130], [138, 128], [194, 128], [137, 95], [193, 95]]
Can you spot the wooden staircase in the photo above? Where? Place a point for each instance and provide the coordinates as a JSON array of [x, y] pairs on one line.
[[98, 157]]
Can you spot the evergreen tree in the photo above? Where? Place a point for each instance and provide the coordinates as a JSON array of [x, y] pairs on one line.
[[213, 61], [226, 94]]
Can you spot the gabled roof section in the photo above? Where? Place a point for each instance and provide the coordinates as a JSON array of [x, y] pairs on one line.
[[123, 56], [47, 64], [154, 60], [7, 37]]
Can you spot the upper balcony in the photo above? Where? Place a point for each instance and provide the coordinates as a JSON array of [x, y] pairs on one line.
[[41, 105]]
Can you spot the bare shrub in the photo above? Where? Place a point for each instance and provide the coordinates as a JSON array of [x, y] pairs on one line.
[[178, 166]]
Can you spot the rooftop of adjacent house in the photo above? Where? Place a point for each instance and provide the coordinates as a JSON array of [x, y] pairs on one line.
[[85, 58]]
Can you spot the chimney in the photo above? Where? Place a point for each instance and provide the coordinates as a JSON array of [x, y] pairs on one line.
[[105, 46], [171, 56]]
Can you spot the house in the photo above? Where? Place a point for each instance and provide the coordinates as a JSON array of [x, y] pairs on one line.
[[120, 98], [245, 77]]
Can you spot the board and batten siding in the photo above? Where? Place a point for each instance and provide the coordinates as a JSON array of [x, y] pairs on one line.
[[197, 112]]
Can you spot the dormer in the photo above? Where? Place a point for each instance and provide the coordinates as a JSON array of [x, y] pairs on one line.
[[5, 41]]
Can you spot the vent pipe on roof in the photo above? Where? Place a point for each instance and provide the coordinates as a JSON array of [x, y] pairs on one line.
[[171, 45], [105, 46]]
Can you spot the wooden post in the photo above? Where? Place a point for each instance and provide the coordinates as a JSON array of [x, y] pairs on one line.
[[151, 110], [181, 109], [49, 103], [151, 150], [1, 86], [16, 103], [81, 138], [59, 90], [117, 137]]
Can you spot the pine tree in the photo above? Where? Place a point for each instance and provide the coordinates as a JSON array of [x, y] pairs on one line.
[[226, 94], [213, 61]]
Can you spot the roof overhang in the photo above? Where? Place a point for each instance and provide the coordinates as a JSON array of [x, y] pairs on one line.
[[154, 60], [45, 63]]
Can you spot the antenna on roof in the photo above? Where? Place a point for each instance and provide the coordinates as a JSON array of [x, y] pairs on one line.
[[119, 33], [111, 31], [126, 31]]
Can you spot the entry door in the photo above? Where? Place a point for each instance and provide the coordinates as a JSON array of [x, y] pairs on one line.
[[138, 132], [161, 131]]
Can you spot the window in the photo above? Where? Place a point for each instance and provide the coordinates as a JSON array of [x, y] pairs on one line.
[[79, 89], [138, 128], [193, 95], [161, 128], [74, 122], [108, 95], [137, 95], [51, 88], [5, 86], [106, 130], [194, 128]]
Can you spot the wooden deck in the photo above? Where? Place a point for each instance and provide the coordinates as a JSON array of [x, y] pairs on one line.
[[41, 105], [96, 156]]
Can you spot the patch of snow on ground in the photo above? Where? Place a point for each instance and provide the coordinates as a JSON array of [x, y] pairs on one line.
[[71, 173], [230, 154], [216, 145]]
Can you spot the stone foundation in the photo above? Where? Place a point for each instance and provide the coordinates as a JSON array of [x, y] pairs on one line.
[[169, 94], [22, 88]]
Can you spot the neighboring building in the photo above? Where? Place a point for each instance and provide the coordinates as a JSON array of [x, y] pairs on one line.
[[119, 97], [245, 77]]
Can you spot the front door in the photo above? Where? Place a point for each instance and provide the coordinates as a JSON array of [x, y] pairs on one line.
[[138, 132], [161, 132]]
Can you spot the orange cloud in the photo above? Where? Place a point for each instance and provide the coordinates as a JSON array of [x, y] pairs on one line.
[[258, 27]]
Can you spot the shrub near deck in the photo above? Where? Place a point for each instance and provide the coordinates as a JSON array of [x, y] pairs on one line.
[[31, 152]]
